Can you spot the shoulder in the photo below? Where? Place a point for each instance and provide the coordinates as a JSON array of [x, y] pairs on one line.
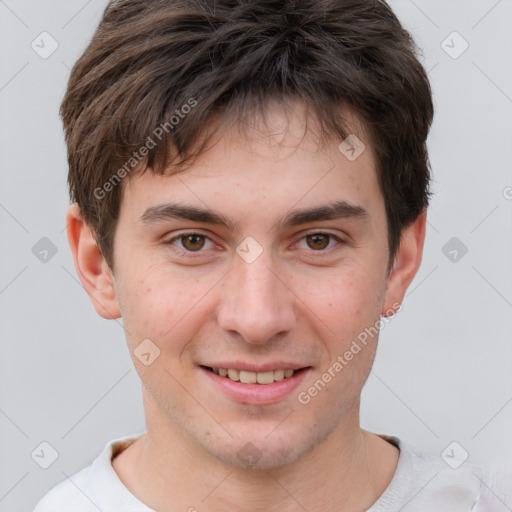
[[426, 481], [72, 490], [496, 490], [446, 480], [96, 487]]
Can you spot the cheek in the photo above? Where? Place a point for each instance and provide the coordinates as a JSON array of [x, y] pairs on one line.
[[159, 304], [348, 300]]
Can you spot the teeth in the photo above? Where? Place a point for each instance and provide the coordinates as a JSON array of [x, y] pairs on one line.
[[278, 374], [265, 377], [253, 377], [247, 377], [234, 374]]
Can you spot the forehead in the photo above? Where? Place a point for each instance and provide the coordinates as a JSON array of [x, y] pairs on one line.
[[279, 159]]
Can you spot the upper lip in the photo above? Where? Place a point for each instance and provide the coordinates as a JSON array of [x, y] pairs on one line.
[[258, 368]]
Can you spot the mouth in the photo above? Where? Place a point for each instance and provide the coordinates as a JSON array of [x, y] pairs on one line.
[[248, 377], [246, 386]]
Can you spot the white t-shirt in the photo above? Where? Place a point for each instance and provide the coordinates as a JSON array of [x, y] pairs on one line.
[[422, 483]]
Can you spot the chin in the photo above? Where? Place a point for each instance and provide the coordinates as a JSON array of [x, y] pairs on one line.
[[251, 457], [263, 451]]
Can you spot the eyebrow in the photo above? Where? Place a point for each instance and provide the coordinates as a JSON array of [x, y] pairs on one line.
[[333, 211]]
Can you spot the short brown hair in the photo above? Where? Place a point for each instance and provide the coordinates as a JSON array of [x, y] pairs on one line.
[[149, 59]]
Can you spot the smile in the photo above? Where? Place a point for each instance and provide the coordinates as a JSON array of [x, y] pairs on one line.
[[247, 377], [255, 387]]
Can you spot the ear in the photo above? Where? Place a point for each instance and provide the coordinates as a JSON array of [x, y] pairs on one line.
[[406, 264], [92, 269]]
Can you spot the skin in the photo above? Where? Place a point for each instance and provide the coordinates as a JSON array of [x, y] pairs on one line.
[[296, 302]]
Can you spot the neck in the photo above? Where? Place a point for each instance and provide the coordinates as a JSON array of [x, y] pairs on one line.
[[168, 471]]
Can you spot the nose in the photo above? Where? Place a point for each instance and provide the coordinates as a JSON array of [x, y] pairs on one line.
[[256, 303]]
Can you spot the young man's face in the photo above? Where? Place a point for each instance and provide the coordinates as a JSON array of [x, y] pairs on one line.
[[259, 294]]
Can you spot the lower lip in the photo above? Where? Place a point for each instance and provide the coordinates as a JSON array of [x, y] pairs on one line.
[[257, 394]]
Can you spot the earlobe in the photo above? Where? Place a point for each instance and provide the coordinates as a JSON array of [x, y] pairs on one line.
[[90, 265], [406, 264]]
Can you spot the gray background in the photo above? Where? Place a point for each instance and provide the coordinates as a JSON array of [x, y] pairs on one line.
[[443, 369]]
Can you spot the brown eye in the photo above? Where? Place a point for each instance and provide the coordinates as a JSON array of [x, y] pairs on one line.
[[193, 242], [190, 245], [318, 241]]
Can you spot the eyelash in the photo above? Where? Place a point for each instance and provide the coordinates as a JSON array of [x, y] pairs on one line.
[[194, 254]]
